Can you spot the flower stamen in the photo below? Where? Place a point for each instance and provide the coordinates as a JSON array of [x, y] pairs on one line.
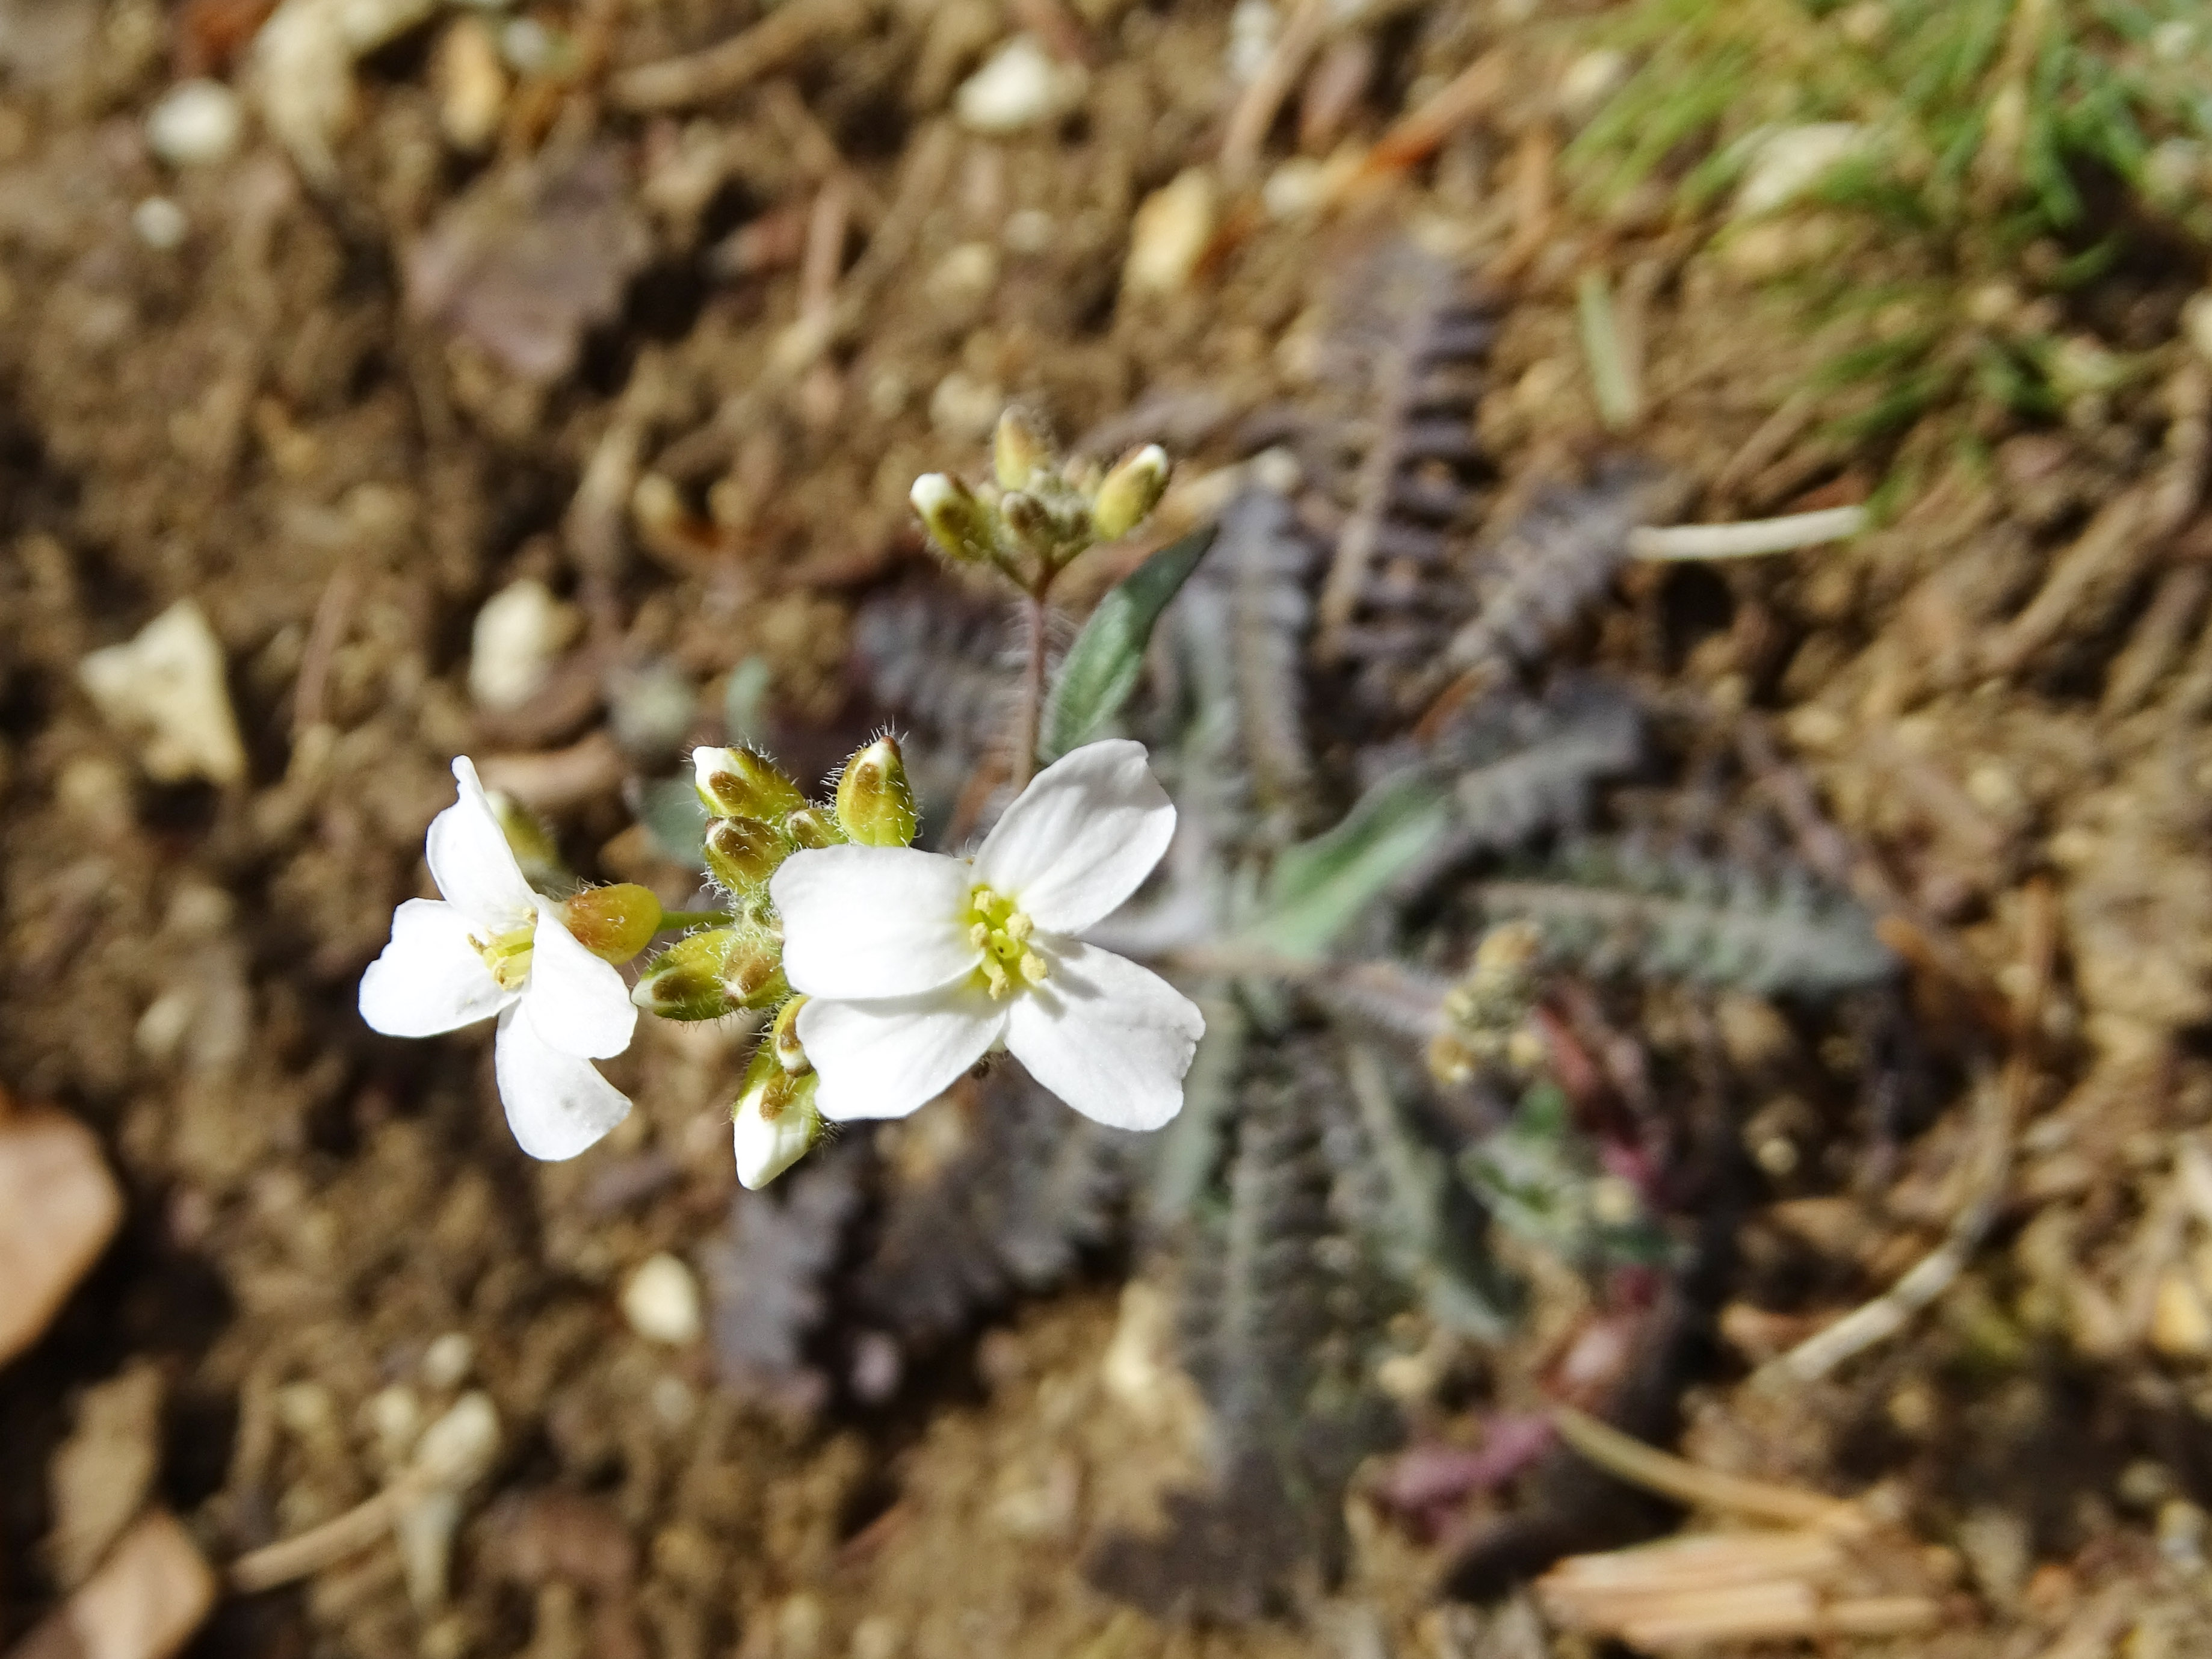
[[1001, 933], [507, 955]]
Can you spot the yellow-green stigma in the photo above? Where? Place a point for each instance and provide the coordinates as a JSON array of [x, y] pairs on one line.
[[1002, 933], [507, 955]]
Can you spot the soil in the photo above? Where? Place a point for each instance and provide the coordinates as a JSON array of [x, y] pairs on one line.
[[345, 409]]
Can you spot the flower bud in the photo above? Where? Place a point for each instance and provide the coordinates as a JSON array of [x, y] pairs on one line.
[[613, 923], [1130, 492], [742, 854], [783, 1038], [956, 520], [1025, 516], [739, 783], [875, 803], [1017, 450], [707, 975], [775, 1120], [684, 982], [814, 828]]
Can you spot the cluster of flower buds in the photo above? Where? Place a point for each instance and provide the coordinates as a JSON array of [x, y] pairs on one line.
[[1487, 1016], [1038, 512], [757, 817]]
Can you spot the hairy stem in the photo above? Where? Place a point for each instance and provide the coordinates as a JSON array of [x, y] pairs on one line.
[[693, 919], [1031, 715]]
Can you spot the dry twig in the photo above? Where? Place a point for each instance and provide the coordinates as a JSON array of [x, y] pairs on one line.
[[1256, 111], [767, 47], [2003, 1109]]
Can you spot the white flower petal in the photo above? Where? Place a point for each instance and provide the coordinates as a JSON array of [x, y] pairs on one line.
[[884, 1059], [429, 978], [1081, 838], [767, 1147], [576, 1002], [1111, 1039], [557, 1104], [873, 922], [470, 861]]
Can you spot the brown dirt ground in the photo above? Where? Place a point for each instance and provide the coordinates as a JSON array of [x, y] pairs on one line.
[[256, 419]]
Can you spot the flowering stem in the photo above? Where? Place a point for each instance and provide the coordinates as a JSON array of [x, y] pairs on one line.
[[693, 919], [1032, 709]]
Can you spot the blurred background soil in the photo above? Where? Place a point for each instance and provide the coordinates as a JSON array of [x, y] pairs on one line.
[[444, 299]]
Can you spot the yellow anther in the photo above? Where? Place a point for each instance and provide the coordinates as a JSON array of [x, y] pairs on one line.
[[994, 975], [507, 955], [979, 935], [1019, 927], [1033, 968]]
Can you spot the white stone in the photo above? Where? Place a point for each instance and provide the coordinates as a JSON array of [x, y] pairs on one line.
[[517, 637], [2197, 324], [1022, 86], [1253, 27], [166, 688], [1791, 160], [195, 123], [448, 1360], [1589, 80], [1172, 227], [661, 1302], [160, 224], [964, 409]]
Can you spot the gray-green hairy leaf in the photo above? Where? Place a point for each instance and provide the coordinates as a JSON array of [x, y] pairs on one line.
[[1101, 668]]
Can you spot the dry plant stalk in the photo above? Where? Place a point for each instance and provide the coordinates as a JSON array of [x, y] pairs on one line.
[[1808, 1582], [767, 47], [2001, 1109]]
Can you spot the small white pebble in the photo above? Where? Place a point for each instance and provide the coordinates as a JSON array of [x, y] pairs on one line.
[[661, 1302], [1173, 226], [963, 277], [448, 1360], [963, 409], [1253, 27], [160, 224], [1022, 86], [195, 123], [1793, 160], [1027, 230], [2197, 324], [516, 636], [1589, 80]]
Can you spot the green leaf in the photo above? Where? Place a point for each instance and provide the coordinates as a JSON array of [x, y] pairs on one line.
[[1101, 668], [676, 819], [1321, 886]]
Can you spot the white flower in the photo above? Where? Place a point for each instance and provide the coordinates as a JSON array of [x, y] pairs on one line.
[[915, 965], [495, 947]]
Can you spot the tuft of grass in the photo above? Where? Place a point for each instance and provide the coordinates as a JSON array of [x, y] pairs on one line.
[[2025, 145]]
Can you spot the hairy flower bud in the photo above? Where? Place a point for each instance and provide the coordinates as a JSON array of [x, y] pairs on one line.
[[875, 803], [1026, 516], [741, 783], [815, 828], [742, 854], [956, 520], [707, 975], [1017, 450], [774, 1120], [614, 923], [1130, 492]]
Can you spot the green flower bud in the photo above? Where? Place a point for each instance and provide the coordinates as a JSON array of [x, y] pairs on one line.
[[684, 982], [531, 841], [742, 854], [1017, 450], [1026, 517], [775, 1120], [783, 1038], [741, 783], [956, 520], [1130, 493], [613, 923], [875, 803], [705, 975], [813, 827]]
